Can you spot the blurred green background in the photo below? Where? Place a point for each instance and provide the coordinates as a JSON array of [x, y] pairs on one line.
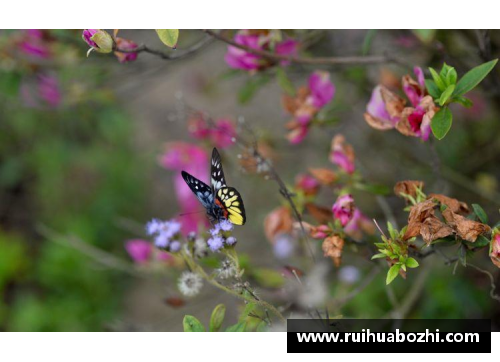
[[79, 158]]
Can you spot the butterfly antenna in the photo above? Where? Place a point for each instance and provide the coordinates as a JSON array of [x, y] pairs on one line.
[[191, 213]]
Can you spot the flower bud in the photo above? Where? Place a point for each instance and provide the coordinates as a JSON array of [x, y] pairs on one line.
[[98, 40]]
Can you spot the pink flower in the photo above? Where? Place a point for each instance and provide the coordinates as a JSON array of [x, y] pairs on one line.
[[125, 44], [342, 154], [193, 159], [415, 91], [386, 110], [48, 88], [322, 89], [40, 91], [139, 250], [376, 114], [306, 105], [343, 209], [87, 35], [259, 40], [495, 248], [224, 133], [34, 44], [307, 183], [358, 224], [320, 232]]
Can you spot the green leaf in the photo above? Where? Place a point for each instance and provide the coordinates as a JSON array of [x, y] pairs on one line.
[[284, 82], [441, 123], [481, 241], [392, 273], [191, 324], [378, 256], [392, 232], [376, 189], [168, 37], [446, 94], [466, 102], [437, 79], [432, 88], [411, 263], [217, 318], [248, 91], [480, 213], [451, 77], [425, 35], [238, 327], [473, 77]]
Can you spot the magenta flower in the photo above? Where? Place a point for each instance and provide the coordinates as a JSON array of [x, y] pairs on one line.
[[193, 159], [343, 209], [34, 44], [359, 224], [342, 154], [125, 44], [139, 250], [87, 36], [495, 248], [259, 40], [48, 89], [308, 184], [224, 133], [376, 114], [415, 91], [322, 89], [306, 105]]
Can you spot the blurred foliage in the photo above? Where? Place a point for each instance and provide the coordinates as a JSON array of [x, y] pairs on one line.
[[71, 168]]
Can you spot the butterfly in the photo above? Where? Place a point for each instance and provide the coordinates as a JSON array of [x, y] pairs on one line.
[[220, 201]]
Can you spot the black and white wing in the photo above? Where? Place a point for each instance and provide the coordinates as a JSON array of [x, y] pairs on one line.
[[202, 191], [216, 174]]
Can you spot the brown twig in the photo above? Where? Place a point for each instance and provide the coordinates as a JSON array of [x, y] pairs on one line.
[[275, 58], [173, 56]]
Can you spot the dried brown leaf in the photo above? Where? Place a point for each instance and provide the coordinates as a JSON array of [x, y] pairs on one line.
[[466, 229], [408, 187], [277, 222], [324, 175], [418, 214], [332, 247], [457, 207], [321, 214], [432, 229]]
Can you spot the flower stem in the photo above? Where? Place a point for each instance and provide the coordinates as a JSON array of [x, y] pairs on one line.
[[198, 269]]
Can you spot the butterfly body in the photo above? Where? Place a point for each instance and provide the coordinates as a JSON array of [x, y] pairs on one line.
[[220, 201]]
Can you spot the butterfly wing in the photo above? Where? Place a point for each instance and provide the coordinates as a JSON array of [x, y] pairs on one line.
[[216, 174], [202, 191], [229, 199]]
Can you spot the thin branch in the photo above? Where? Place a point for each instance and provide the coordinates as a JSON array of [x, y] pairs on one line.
[[173, 56], [275, 58], [492, 281]]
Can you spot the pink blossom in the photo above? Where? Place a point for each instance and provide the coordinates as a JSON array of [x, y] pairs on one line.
[[321, 232], [48, 88], [139, 250], [224, 133], [415, 91], [125, 44], [34, 44], [307, 183], [358, 224], [259, 40], [193, 159], [322, 89], [198, 127], [342, 154], [87, 35], [376, 108], [343, 209]]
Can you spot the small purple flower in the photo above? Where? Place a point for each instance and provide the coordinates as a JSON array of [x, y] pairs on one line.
[[226, 225], [343, 209], [215, 231], [283, 246], [175, 246], [139, 250], [153, 227], [231, 240], [215, 243]]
